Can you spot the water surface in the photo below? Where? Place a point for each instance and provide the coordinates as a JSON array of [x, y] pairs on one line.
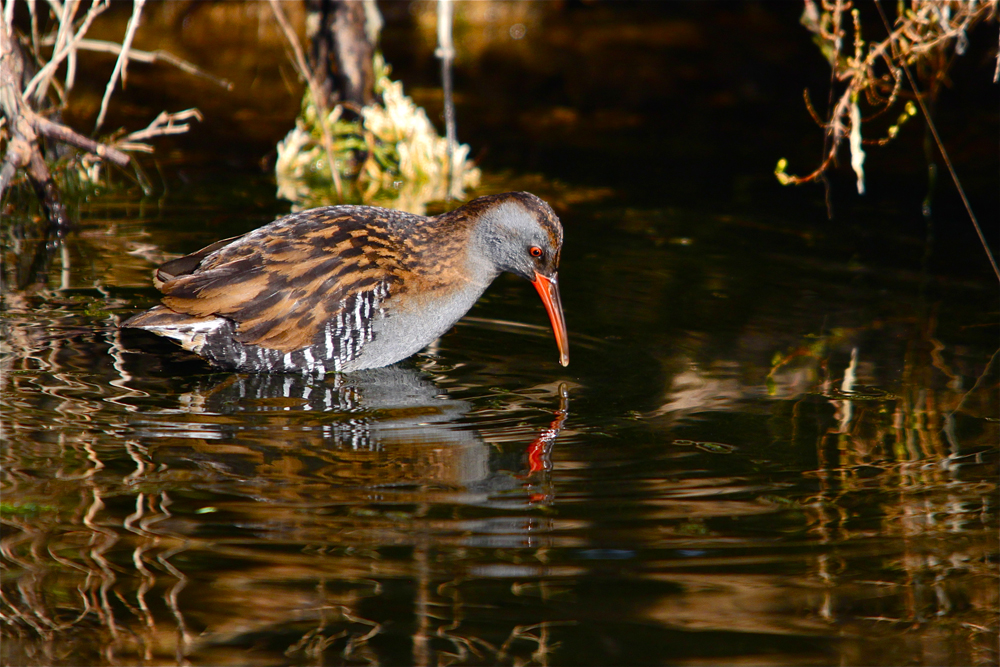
[[760, 453], [776, 442]]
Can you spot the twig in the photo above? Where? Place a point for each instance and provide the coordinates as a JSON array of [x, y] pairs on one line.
[[164, 124], [102, 46], [835, 132], [27, 123], [446, 52], [122, 63], [944, 153], [34, 28], [25, 126], [809, 107], [313, 86], [8, 12], [68, 11], [918, 32], [41, 80]]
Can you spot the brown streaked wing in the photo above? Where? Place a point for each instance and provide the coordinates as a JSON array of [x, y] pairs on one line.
[[160, 316], [283, 282], [188, 263]]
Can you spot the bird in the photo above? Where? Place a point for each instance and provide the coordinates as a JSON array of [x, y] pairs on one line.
[[349, 287]]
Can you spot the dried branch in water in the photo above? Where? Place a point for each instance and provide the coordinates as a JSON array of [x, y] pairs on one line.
[[924, 35], [22, 148], [922, 30], [66, 135], [18, 96]]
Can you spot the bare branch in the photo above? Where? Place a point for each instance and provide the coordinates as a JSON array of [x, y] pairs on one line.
[[22, 149], [102, 46], [8, 13], [917, 33], [68, 136], [65, 13], [122, 63], [162, 125], [34, 27], [46, 73]]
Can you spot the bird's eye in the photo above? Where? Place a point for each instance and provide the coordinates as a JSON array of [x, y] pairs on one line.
[[535, 251]]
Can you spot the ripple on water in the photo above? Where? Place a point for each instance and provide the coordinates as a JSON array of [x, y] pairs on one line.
[[460, 498]]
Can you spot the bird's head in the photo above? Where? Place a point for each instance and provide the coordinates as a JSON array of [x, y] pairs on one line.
[[520, 233]]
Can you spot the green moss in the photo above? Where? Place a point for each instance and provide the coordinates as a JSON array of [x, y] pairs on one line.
[[25, 509]]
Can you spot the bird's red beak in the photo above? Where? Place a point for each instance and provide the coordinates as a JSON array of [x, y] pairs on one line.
[[548, 289]]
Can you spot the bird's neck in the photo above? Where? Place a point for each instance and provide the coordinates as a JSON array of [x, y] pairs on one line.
[[480, 259], [458, 252]]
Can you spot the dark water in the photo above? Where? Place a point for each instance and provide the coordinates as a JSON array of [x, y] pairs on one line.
[[776, 442], [701, 484]]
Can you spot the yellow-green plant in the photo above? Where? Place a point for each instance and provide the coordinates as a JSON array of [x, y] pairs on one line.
[[392, 153]]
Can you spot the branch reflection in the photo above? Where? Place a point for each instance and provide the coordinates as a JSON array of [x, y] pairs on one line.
[[277, 506]]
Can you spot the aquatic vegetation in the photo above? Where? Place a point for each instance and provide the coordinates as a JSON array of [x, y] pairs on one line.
[[926, 35], [392, 152]]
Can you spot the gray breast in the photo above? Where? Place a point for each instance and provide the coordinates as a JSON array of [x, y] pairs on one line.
[[401, 330]]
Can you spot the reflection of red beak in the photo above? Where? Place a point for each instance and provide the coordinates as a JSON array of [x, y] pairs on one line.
[[548, 289]]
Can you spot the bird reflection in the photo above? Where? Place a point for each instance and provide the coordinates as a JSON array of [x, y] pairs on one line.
[[385, 427], [279, 506]]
